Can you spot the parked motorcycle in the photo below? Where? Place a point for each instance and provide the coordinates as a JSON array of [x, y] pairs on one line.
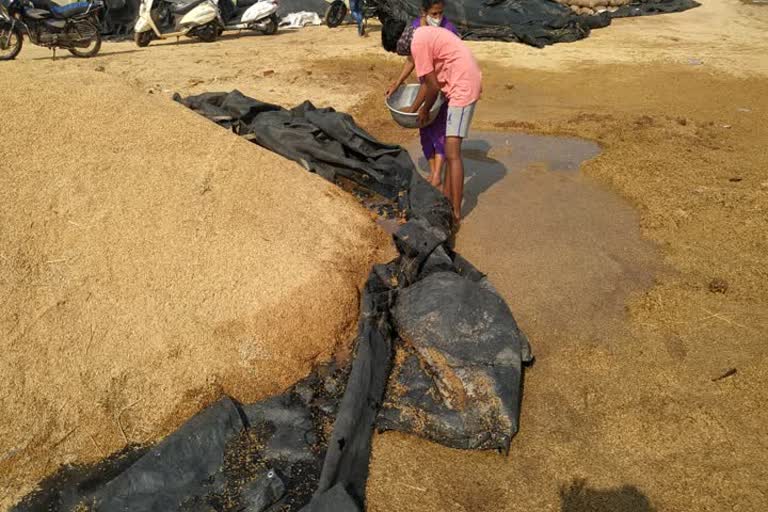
[[260, 16], [193, 18], [73, 27], [362, 10]]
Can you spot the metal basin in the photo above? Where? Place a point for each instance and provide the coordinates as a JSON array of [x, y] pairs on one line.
[[403, 98]]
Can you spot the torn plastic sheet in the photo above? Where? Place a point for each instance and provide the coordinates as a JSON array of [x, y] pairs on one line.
[[457, 368]]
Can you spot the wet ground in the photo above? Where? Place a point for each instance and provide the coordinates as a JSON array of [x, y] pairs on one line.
[[564, 250]]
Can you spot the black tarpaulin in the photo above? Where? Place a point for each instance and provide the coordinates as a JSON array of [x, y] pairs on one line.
[[459, 382], [533, 22], [345, 470], [324, 141]]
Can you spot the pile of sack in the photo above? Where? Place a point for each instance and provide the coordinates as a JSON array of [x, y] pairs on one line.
[[590, 7]]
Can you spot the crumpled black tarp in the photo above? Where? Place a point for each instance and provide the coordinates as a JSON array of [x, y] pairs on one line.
[[227, 457], [461, 377], [458, 383], [345, 470], [533, 22], [322, 140], [465, 390]]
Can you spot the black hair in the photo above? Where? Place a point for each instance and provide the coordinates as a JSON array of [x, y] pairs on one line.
[[426, 4], [391, 32]]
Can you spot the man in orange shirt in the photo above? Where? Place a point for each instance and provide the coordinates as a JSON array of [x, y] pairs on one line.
[[444, 63]]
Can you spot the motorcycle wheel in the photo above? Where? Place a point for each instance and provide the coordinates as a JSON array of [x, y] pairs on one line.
[[208, 33], [11, 41], [142, 39], [90, 51], [335, 14], [270, 27]]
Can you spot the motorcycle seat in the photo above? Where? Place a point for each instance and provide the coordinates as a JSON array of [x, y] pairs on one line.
[[36, 14], [67, 11], [185, 7]]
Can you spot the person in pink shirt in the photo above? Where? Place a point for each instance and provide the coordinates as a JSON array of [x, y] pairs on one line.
[[432, 136], [443, 63]]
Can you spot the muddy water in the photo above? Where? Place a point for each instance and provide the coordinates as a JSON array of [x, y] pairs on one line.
[[565, 251]]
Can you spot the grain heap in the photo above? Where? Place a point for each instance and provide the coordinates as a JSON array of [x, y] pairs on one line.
[[149, 261]]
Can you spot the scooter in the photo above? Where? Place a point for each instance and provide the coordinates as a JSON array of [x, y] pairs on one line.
[[193, 18], [242, 15]]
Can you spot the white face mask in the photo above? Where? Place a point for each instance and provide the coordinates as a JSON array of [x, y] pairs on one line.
[[434, 22]]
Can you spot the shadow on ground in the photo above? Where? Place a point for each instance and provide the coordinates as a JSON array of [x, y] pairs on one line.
[[63, 55], [481, 172], [578, 497]]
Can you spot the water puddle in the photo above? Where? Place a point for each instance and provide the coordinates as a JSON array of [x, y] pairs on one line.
[[565, 251]]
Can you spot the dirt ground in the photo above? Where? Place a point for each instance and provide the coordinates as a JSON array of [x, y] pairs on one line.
[[654, 403]]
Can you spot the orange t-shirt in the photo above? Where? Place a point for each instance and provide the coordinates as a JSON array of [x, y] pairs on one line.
[[458, 74]]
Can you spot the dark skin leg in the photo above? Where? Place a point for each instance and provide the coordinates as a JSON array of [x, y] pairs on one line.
[[436, 171], [447, 188], [454, 182]]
